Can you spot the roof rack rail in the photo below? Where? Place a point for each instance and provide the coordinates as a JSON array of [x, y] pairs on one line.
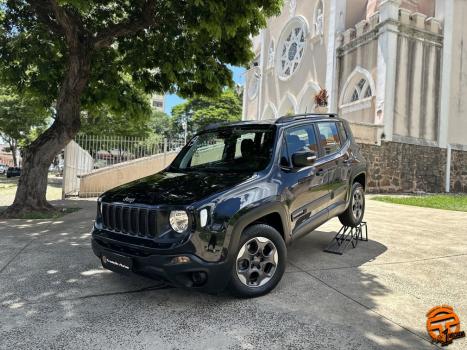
[[304, 116], [215, 125]]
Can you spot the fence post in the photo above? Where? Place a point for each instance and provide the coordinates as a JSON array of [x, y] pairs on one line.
[[165, 151], [448, 170], [64, 176]]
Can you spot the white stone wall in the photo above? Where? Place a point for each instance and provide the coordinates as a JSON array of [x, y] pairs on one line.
[[418, 78], [453, 115], [407, 58], [277, 96]]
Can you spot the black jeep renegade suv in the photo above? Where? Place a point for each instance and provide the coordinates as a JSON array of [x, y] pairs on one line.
[[221, 215]]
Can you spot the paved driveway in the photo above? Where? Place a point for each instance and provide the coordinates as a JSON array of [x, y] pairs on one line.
[[54, 294]]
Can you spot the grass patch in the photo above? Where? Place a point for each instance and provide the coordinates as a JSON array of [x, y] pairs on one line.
[[437, 201], [39, 215], [8, 188]]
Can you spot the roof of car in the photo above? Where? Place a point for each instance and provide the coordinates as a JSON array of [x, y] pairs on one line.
[[279, 121]]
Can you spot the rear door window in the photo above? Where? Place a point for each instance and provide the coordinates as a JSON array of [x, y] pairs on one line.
[[343, 132], [329, 139]]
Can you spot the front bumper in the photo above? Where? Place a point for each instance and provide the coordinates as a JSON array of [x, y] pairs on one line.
[[197, 273]]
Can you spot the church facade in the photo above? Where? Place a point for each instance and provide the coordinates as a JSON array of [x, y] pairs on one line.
[[395, 69]]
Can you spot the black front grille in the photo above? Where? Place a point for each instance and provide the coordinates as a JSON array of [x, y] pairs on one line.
[[129, 220]]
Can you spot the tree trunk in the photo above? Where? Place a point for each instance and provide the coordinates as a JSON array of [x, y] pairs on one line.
[[13, 150], [13, 154], [32, 185]]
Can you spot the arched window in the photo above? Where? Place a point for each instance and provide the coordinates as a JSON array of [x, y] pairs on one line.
[[253, 83], [271, 54], [292, 7], [291, 47], [358, 87], [362, 90], [318, 19]]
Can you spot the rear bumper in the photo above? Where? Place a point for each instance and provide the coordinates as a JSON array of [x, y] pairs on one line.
[[197, 273]]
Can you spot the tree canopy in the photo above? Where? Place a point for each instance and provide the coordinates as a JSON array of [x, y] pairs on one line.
[[21, 118], [163, 46]]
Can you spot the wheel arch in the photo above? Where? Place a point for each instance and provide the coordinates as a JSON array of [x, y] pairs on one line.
[[268, 213], [360, 178]]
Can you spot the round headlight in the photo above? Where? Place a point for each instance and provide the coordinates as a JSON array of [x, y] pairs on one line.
[[178, 220]]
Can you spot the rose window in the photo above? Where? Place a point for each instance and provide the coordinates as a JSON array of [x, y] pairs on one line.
[[291, 50]]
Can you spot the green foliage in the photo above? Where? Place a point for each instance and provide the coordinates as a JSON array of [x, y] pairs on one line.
[[202, 111], [186, 48], [161, 124], [21, 117], [126, 113]]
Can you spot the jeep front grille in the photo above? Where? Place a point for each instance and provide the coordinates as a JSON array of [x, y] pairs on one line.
[[129, 220]]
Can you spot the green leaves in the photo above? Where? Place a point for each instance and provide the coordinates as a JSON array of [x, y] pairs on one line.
[[186, 49], [21, 116], [202, 111]]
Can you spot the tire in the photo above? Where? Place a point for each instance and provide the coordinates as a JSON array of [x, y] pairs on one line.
[[353, 215], [253, 275]]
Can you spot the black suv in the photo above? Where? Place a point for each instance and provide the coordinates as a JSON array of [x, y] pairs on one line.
[[221, 215]]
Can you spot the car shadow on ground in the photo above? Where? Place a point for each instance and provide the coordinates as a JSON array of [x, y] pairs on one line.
[[54, 288]]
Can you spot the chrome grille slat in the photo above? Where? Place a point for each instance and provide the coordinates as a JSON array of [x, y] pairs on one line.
[[129, 220]]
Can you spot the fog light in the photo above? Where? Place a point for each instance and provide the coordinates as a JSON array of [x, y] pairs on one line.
[[199, 278], [180, 260]]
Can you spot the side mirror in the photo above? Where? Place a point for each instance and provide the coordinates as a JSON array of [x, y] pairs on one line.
[[302, 159]]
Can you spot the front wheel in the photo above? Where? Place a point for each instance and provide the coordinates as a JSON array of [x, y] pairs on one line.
[[353, 215], [259, 262]]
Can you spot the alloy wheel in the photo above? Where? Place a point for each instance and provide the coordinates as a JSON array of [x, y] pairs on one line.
[[257, 262], [357, 203]]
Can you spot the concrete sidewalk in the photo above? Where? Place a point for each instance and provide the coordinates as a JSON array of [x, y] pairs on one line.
[[54, 293]]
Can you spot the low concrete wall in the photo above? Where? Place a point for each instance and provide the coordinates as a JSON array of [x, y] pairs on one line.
[[101, 180], [402, 167], [366, 132], [78, 162]]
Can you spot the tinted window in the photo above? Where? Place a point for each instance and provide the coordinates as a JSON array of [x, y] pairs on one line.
[[284, 155], [229, 149], [328, 137], [301, 138], [343, 132], [248, 136]]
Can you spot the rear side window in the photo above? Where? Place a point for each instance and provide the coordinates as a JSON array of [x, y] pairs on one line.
[[301, 138], [342, 132], [329, 137]]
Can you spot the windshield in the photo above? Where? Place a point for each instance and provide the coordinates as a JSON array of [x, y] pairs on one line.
[[236, 149]]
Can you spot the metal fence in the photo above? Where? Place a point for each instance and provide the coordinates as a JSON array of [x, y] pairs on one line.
[[90, 153]]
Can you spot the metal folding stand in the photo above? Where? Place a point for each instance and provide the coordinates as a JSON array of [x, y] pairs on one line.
[[347, 235]]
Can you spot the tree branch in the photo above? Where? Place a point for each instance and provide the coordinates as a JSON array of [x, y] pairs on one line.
[[146, 19], [59, 19], [45, 15]]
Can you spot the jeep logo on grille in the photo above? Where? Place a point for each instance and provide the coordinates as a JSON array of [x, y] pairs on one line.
[[129, 200]]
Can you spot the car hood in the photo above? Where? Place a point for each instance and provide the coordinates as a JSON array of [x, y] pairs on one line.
[[174, 188]]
